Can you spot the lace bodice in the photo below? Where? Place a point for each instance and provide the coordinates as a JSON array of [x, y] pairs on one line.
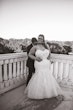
[[43, 54]]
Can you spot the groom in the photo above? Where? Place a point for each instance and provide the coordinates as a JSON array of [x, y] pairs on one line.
[[30, 62]]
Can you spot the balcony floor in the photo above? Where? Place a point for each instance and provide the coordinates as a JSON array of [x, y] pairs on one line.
[[12, 98]]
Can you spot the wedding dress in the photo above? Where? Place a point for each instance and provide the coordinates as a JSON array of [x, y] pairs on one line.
[[43, 84]]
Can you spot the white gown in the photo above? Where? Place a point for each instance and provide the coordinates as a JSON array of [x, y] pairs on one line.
[[43, 84]]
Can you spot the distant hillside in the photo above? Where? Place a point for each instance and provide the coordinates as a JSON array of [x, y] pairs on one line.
[[20, 45], [13, 45]]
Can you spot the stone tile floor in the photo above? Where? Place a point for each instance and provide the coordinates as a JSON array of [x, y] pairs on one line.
[[14, 96]]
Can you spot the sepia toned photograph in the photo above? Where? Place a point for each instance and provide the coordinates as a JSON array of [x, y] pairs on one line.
[[36, 54]]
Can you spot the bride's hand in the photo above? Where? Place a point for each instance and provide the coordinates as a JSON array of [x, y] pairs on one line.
[[38, 59], [52, 62]]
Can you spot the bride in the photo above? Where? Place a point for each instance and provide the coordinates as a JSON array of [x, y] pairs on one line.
[[42, 84]]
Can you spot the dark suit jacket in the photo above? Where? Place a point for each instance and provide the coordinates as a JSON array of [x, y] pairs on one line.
[[30, 62]]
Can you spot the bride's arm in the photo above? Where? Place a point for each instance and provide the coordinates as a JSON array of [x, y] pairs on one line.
[[47, 46], [49, 54], [32, 54]]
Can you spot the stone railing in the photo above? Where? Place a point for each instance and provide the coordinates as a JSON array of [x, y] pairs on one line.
[[62, 69], [12, 70]]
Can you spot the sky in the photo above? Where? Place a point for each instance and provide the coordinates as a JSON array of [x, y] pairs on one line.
[[20, 19]]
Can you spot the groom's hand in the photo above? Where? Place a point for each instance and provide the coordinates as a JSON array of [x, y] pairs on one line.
[[38, 59]]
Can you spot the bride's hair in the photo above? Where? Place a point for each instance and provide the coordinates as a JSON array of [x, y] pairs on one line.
[[43, 43], [42, 37]]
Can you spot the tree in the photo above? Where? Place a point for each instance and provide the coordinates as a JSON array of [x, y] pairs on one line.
[[55, 48], [4, 49], [67, 49]]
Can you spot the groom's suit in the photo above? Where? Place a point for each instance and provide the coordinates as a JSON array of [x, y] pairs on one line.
[[30, 64]]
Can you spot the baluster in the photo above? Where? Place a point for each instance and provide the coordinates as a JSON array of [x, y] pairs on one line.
[[1, 77], [10, 72], [14, 69], [22, 71], [5, 73], [66, 71], [25, 74], [60, 71], [18, 70], [55, 69], [70, 75], [14, 72]]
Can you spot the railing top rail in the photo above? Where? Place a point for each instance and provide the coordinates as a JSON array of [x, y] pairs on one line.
[[12, 55], [62, 56], [24, 54]]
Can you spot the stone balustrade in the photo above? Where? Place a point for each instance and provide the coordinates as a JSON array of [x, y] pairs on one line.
[[62, 69], [13, 70]]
